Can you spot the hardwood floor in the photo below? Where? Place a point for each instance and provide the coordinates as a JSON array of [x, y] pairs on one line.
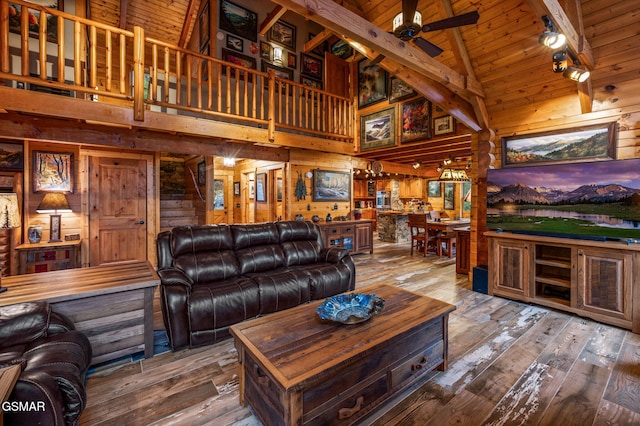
[[509, 364]]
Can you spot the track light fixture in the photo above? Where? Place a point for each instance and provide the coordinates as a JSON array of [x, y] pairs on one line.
[[560, 61], [550, 37], [416, 165], [576, 74]]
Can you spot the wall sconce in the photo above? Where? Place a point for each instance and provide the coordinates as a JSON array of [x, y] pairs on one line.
[[277, 55], [54, 203], [550, 37]]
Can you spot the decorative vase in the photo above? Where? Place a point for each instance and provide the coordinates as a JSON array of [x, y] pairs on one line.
[[315, 218], [35, 234]]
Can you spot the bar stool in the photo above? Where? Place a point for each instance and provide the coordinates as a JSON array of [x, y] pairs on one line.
[[446, 243]]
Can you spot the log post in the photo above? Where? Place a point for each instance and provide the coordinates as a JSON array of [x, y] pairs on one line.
[[138, 73]]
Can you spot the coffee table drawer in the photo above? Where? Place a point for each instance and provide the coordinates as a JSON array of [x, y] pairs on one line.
[[351, 407], [417, 364], [262, 391]]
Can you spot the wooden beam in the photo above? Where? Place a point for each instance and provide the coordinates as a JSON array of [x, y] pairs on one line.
[[186, 25], [58, 130], [349, 25], [317, 40], [124, 6], [271, 19]]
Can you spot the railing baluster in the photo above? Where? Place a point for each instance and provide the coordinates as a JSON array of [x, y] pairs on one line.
[[43, 45], [109, 53]]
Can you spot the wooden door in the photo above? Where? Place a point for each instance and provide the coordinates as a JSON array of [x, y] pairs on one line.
[[337, 72], [117, 207], [222, 199]]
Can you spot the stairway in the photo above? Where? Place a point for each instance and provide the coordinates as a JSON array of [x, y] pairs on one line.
[[175, 213]]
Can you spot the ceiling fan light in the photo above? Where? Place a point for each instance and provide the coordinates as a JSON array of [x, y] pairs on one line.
[[406, 32], [576, 74]]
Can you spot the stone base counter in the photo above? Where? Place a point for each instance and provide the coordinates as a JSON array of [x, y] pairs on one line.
[[393, 227]]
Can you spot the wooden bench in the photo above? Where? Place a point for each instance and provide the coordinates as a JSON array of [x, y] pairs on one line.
[[112, 304]]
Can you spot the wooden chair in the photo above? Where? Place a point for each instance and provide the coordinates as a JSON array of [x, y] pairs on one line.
[[420, 237], [446, 242]]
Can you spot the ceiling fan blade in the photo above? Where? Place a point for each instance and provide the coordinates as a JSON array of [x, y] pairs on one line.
[[468, 18], [428, 47], [408, 10]]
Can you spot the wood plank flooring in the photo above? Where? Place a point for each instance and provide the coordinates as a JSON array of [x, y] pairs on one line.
[[509, 364]]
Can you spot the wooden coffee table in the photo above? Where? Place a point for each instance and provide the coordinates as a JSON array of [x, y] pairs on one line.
[[297, 369]]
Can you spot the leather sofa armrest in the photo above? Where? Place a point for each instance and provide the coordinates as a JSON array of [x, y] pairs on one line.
[[333, 254], [23, 322], [174, 277]]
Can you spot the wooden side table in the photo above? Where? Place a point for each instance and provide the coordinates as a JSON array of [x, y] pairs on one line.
[[46, 257]]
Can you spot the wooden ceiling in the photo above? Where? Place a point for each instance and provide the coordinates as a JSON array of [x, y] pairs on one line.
[[486, 70]]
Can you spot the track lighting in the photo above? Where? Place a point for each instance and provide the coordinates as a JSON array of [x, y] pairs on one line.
[[560, 62], [416, 165], [550, 37], [576, 74]]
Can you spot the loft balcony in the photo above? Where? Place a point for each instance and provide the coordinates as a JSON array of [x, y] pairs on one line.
[[111, 76]]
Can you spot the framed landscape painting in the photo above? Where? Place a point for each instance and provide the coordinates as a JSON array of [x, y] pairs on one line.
[[331, 185], [434, 188], [378, 130], [399, 90], [238, 20], [283, 33], [11, 156], [372, 83], [52, 171], [581, 144]]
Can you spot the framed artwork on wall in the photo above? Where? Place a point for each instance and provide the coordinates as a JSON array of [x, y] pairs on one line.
[[443, 125], [310, 66], [331, 185], [416, 120], [284, 34], [236, 189], [378, 130], [238, 59], [342, 49], [399, 90], [235, 43], [372, 83], [261, 187], [435, 188], [265, 50], [587, 143], [11, 156], [238, 20], [15, 12], [203, 20], [52, 171], [449, 192], [252, 189], [202, 173]]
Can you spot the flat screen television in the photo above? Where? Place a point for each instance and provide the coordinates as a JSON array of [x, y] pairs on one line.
[[592, 200]]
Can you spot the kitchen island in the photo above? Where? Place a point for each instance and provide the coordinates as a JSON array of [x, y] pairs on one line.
[[393, 226]]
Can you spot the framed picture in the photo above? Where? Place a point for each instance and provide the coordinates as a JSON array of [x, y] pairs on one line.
[[399, 90], [203, 20], [310, 66], [466, 196], [319, 49], [372, 83], [237, 59], [279, 189], [236, 189], [15, 12], [238, 21], [261, 187], [252, 189], [235, 43], [331, 186], [449, 192], [265, 50], [283, 34], [280, 72], [202, 173], [52, 171], [581, 144], [378, 130], [292, 60], [416, 120], [315, 84], [443, 125], [434, 188], [11, 156], [342, 49], [218, 194]]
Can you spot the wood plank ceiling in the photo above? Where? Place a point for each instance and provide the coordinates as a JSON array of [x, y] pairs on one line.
[[485, 70]]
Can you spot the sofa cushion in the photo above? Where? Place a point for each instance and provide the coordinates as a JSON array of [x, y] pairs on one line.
[[222, 303], [300, 241], [23, 322], [328, 279], [282, 289]]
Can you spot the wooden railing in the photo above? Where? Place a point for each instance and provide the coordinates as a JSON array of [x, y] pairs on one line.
[[113, 65]]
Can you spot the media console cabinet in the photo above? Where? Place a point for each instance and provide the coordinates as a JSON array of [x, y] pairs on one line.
[[589, 278]]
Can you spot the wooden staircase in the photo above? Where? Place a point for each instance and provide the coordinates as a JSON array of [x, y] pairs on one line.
[[177, 212]]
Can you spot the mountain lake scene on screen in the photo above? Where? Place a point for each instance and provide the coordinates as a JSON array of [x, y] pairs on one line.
[[595, 199]]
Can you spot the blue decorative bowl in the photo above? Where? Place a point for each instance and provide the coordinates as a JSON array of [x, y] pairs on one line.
[[351, 308]]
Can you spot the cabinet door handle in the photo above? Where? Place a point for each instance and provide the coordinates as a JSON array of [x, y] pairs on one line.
[[345, 413], [263, 380]]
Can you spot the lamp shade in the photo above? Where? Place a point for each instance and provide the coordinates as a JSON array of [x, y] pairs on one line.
[[9, 212], [54, 202], [453, 175]]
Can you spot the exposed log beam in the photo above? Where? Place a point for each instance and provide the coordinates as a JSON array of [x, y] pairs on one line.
[[57, 130], [124, 6], [575, 40], [432, 90], [271, 19], [317, 40], [347, 24], [188, 19]]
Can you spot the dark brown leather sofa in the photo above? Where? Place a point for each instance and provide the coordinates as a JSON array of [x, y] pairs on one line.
[[214, 276], [54, 358]]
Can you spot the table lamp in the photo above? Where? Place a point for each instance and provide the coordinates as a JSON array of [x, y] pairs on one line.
[[9, 218], [54, 203]]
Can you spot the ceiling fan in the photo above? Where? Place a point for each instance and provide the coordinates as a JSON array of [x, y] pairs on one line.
[[408, 25]]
